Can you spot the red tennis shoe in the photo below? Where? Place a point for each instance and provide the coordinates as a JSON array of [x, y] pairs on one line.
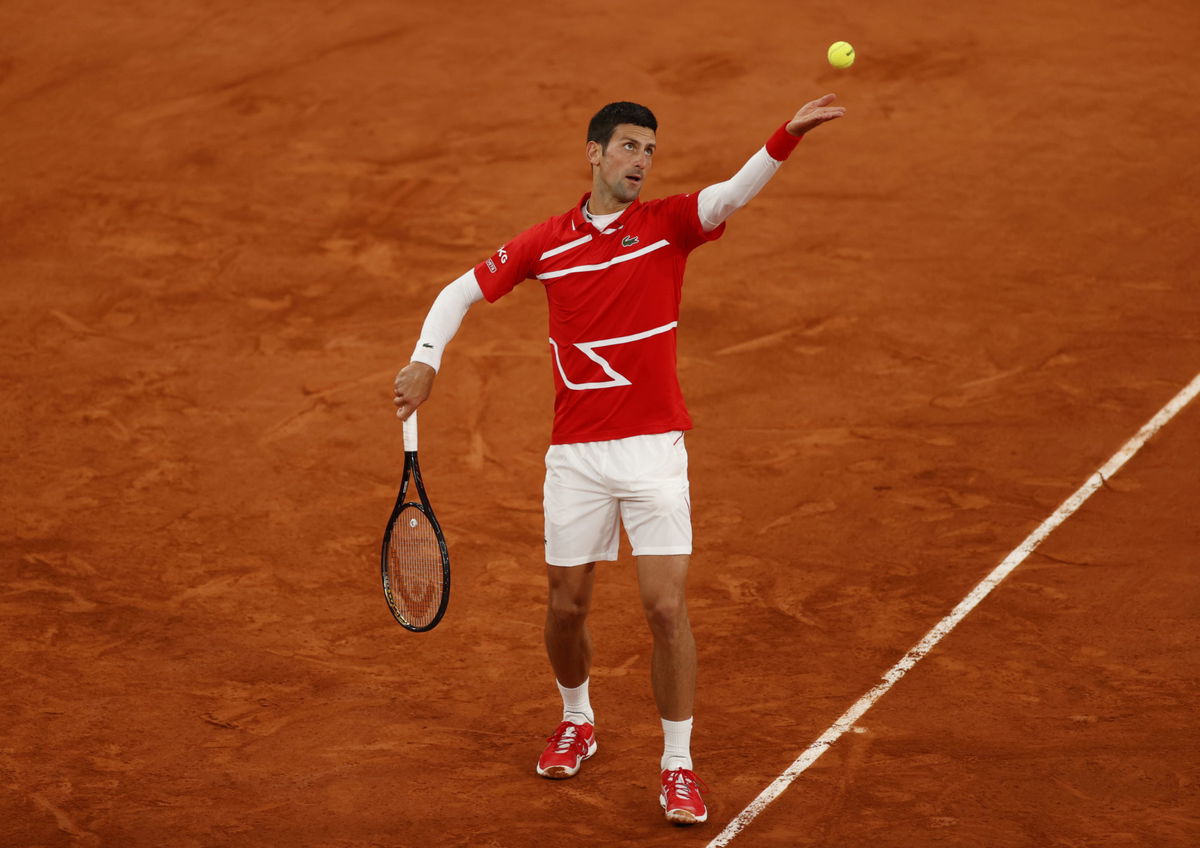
[[566, 748], [680, 797]]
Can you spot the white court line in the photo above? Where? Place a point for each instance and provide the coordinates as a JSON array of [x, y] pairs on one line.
[[814, 751]]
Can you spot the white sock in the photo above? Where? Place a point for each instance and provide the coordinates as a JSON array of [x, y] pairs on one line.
[[677, 744], [576, 706]]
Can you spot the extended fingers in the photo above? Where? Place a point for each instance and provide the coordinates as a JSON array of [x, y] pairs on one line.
[[817, 105]]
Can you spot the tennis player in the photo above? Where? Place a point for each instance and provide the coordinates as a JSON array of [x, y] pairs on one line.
[[612, 266]]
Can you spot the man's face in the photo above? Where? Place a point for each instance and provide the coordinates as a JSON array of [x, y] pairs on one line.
[[621, 167]]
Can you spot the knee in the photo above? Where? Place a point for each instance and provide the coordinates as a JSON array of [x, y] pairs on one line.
[[566, 612], [667, 617]]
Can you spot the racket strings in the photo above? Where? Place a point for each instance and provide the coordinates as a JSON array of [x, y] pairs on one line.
[[415, 567]]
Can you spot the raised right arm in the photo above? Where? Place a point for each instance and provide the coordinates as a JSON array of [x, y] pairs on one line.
[[717, 202]]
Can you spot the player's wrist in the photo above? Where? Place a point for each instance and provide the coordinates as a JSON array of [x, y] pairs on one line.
[[782, 143], [431, 360]]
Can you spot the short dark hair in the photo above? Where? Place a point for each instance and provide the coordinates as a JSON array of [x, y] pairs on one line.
[[605, 122]]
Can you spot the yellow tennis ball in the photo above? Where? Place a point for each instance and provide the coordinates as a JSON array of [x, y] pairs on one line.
[[841, 54]]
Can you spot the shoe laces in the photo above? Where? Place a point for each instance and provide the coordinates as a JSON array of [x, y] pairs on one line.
[[682, 781], [568, 738]]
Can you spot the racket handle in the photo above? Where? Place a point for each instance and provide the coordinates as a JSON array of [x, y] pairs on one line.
[[410, 433]]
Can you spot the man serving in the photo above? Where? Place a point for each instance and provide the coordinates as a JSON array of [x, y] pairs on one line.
[[612, 267]]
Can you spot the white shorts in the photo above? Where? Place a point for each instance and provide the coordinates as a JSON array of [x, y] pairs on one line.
[[592, 487]]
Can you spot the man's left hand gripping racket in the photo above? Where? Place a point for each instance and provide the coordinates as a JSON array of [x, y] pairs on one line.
[[414, 561]]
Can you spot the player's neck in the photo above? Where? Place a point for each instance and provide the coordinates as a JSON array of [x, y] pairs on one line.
[[602, 203]]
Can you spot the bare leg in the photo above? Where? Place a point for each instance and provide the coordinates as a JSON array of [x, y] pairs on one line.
[[662, 581], [568, 643]]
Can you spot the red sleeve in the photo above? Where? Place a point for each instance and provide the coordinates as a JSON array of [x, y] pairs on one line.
[[512, 263], [684, 213]]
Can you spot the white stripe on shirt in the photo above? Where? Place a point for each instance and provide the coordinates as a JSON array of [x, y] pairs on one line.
[[562, 248], [624, 257]]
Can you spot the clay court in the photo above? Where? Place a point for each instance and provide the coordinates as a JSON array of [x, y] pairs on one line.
[[221, 225]]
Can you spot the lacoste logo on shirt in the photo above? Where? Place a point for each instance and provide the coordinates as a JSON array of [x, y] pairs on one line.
[[629, 241]]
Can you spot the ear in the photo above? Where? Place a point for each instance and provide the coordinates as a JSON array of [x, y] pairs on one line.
[[593, 152]]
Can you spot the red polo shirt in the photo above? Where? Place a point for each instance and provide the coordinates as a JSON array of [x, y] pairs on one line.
[[614, 305]]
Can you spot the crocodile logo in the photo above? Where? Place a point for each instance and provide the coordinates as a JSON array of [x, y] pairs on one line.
[[629, 241]]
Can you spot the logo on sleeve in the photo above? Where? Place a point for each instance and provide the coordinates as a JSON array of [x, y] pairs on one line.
[[629, 241], [502, 255]]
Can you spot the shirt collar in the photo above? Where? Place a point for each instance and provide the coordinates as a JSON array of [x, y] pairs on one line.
[[579, 222]]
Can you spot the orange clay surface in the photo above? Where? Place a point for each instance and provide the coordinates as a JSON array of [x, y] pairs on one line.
[[221, 225]]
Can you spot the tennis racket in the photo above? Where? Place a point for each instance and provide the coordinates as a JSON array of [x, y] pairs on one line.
[[414, 562]]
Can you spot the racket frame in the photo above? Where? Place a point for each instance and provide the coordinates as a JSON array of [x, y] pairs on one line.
[[412, 472]]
